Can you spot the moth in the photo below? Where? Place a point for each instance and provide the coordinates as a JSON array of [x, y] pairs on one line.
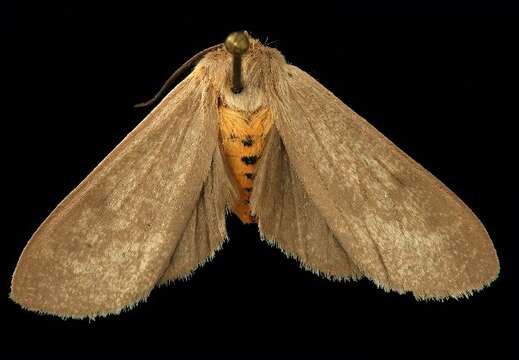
[[248, 133]]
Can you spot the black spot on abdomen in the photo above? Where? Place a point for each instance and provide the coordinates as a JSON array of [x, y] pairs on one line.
[[247, 142], [249, 160]]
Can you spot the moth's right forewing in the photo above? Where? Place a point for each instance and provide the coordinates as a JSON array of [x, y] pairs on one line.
[[399, 224]]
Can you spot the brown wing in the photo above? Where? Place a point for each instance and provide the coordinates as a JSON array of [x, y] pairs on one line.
[[396, 222], [206, 230], [111, 239], [288, 219]]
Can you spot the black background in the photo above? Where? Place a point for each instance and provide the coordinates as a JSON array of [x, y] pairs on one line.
[[439, 81]]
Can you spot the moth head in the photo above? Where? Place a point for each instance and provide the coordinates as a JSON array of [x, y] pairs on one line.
[[243, 71]]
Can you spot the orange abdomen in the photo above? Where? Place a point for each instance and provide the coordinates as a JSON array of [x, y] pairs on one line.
[[243, 139]]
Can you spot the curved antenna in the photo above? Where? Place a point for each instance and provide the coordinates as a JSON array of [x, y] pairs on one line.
[[175, 75]]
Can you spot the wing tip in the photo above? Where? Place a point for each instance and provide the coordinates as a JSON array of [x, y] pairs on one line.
[[458, 294], [445, 294], [64, 312]]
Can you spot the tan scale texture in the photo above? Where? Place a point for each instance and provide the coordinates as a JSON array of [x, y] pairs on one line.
[[329, 190]]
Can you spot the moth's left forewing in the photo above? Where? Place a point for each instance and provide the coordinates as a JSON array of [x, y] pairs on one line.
[[110, 241], [400, 225]]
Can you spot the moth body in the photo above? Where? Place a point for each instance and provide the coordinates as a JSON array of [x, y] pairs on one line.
[[243, 138]]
